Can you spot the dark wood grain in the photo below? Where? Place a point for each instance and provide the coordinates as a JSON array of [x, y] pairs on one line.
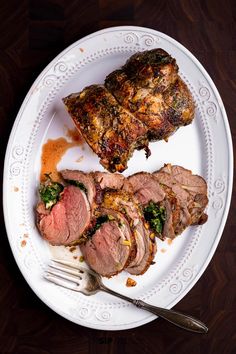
[[32, 33]]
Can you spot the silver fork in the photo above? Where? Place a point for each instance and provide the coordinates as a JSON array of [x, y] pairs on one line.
[[86, 281]]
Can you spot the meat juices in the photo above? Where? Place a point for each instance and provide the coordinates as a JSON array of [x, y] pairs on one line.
[[144, 101]]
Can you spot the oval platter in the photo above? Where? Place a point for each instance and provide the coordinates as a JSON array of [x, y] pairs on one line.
[[205, 147]]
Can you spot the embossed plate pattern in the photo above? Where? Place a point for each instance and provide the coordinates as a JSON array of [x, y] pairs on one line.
[[205, 147]]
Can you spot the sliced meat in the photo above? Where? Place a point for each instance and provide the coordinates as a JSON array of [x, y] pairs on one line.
[[197, 188], [121, 240], [125, 226], [123, 202], [145, 241], [168, 229], [197, 208], [67, 219], [145, 245], [146, 188], [183, 197], [110, 130], [105, 181], [192, 183], [108, 180], [109, 249], [168, 180], [84, 178]]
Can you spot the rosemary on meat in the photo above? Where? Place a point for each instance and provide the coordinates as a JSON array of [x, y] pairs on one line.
[[156, 216]]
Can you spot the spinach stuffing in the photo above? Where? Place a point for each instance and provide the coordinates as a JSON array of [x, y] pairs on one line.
[[50, 192], [156, 216], [99, 221], [77, 184]]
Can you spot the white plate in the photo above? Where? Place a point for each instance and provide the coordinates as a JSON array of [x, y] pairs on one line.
[[205, 147]]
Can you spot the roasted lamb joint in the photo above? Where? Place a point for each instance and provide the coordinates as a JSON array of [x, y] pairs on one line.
[[179, 104], [152, 68], [148, 85], [144, 101], [110, 130]]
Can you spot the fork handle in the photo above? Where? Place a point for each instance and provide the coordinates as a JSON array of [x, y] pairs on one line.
[[184, 321]]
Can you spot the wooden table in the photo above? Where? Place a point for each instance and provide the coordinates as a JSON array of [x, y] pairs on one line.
[[32, 33]]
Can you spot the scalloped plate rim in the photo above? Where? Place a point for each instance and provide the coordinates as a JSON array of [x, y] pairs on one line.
[[230, 172]]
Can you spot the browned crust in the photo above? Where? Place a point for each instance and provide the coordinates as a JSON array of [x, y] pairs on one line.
[[110, 130], [152, 249], [145, 100]]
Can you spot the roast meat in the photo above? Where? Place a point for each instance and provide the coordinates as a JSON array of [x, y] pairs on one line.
[[145, 100], [67, 220], [110, 130], [109, 249], [115, 219]]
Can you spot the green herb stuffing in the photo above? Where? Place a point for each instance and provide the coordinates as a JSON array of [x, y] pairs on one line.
[[156, 216], [50, 192], [77, 184], [99, 221]]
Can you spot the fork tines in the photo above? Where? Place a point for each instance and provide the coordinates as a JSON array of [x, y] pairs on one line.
[[68, 264], [64, 273]]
